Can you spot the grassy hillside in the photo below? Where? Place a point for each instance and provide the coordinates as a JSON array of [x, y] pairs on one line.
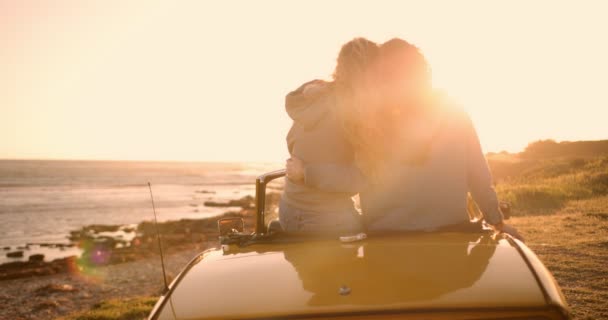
[[560, 204], [540, 186]]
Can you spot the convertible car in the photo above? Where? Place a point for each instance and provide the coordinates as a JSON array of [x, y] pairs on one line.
[[447, 274]]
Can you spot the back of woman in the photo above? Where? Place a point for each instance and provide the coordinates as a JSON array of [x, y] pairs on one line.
[[431, 192], [318, 137]]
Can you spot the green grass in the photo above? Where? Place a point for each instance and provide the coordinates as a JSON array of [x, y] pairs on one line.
[[543, 186], [118, 309], [560, 205]]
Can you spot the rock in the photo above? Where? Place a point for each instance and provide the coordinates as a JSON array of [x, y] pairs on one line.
[[55, 288], [25, 269], [245, 203], [97, 228], [50, 304], [75, 235], [15, 254], [105, 242], [36, 258]]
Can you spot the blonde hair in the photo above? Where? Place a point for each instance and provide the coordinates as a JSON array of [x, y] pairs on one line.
[[368, 121], [354, 97], [418, 68]]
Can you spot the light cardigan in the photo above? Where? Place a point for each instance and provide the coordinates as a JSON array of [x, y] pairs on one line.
[[420, 197], [316, 137]]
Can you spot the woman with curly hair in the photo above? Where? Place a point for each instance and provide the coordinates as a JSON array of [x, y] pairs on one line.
[[317, 136]]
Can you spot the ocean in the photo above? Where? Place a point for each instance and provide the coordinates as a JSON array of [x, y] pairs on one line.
[[42, 201]]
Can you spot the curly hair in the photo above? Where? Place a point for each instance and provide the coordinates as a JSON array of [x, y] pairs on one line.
[[412, 59], [354, 59], [368, 120], [354, 95]]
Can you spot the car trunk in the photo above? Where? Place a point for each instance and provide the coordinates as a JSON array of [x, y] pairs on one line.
[[397, 276]]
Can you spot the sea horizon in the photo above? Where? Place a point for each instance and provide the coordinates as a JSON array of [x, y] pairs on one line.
[[43, 200]]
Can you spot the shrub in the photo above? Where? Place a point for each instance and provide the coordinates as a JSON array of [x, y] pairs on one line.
[[116, 309], [540, 186], [532, 198]]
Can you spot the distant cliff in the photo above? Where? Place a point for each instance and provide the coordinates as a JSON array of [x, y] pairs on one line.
[[566, 149]]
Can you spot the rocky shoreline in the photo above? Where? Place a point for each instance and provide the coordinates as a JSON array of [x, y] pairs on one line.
[[115, 261], [96, 245], [61, 294], [107, 268], [100, 245]]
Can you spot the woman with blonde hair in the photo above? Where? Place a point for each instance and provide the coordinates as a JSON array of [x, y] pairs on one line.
[[317, 137]]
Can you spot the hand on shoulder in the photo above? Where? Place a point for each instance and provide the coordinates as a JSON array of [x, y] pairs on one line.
[[295, 170], [314, 87]]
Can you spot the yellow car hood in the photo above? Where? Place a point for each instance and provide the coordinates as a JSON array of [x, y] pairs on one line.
[[424, 271]]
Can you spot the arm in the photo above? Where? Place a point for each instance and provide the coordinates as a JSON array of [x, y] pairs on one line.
[[480, 185], [480, 179], [325, 177], [334, 177]]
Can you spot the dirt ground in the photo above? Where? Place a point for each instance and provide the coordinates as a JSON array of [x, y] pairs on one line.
[[573, 244], [49, 297]]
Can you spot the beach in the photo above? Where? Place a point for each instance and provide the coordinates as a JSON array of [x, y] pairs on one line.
[[83, 229], [48, 297], [42, 201], [103, 271]]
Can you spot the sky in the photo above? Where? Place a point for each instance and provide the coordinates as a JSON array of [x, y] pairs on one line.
[[206, 80]]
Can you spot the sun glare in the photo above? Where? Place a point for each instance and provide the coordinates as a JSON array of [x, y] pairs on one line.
[[201, 81]]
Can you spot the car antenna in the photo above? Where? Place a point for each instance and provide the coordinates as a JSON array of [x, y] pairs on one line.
[[160, 247]]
